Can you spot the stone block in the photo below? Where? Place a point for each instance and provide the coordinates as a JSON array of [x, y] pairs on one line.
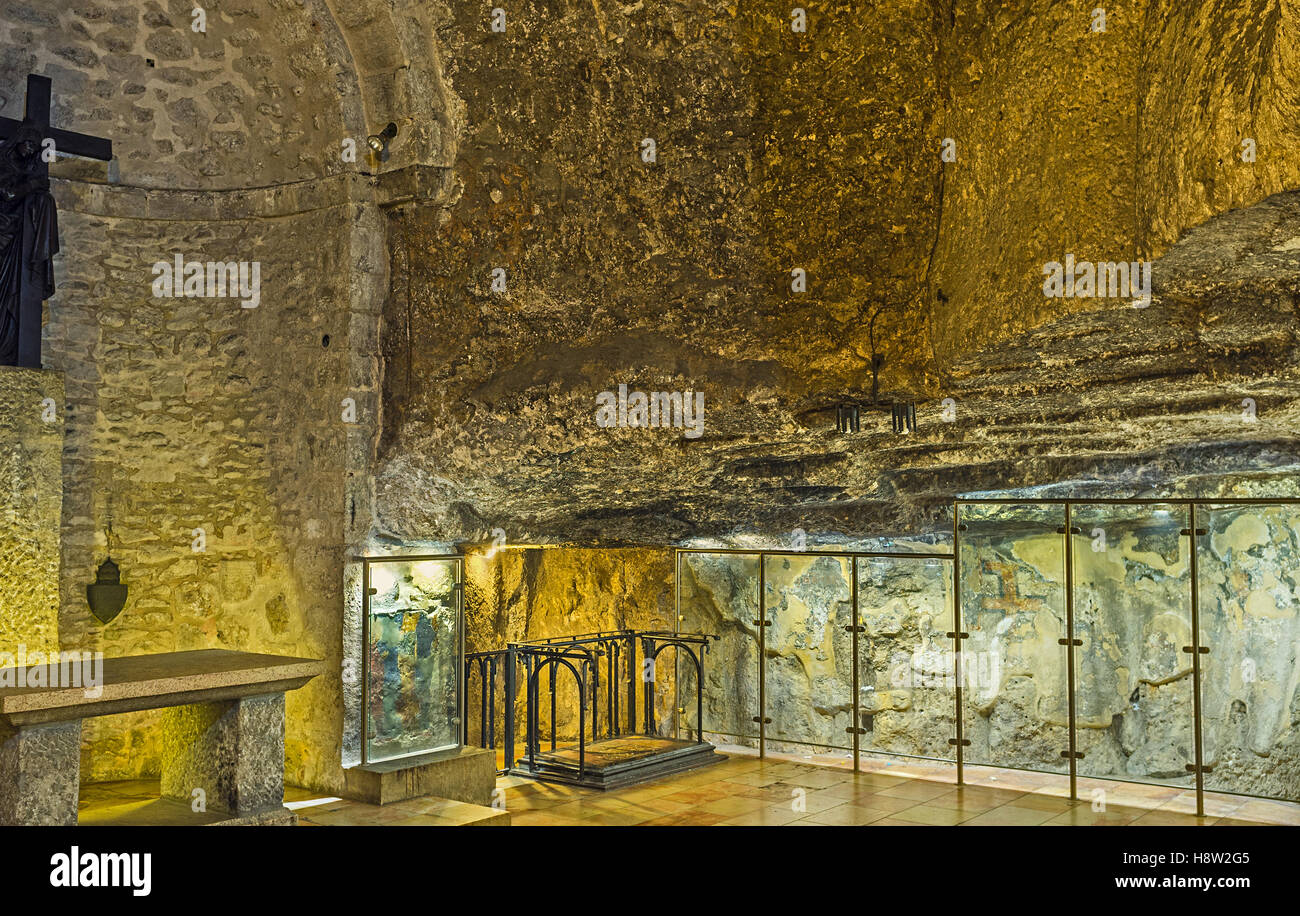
[[233, 751], [466, 774], [40, 770]]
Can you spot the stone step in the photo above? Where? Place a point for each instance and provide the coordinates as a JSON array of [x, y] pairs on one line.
[[428, 811], [447, 812], [466, 774]]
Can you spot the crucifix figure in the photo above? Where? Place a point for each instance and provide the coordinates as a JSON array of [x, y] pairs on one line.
[[29, 226]]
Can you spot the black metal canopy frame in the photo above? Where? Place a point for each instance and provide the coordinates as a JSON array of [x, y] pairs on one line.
[[608, 656]]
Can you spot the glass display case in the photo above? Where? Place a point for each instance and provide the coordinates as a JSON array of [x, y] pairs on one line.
[[414, 655]]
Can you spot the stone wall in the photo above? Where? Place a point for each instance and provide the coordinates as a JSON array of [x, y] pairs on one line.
[[775, 151], [1111, 145], [31, 447], [253, 101], [214, 439]]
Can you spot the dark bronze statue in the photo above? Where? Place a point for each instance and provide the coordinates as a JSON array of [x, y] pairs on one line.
[[29, 226], [29, 235]]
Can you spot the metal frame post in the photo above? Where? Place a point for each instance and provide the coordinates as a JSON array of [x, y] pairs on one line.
[[1072, 753], [1197, 649], [508, 726], [854, 628], [761, 623], [957, 635], [633, 673]]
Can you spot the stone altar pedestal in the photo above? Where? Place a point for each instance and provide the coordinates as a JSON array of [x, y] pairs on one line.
[[233, 752], [224, 721]]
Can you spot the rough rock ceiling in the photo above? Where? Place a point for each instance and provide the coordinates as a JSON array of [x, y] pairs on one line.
[[1114, 401], [821, 150]]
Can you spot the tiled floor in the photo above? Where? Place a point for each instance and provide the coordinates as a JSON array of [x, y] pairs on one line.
[[798, 791], [136, 802], [416, 812], [792, 791]]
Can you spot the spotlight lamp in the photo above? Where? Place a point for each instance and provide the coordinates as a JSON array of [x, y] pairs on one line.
[[904, 417], [848, 416], [378, 143], [848, 419]]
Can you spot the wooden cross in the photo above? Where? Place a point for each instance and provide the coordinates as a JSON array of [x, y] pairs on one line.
[[66, 143]]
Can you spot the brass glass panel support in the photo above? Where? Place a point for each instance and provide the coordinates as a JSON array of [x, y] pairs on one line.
[[959, 743], [679, 710], [762, 655], [1196, 664], [1069, 640], [857, 625]]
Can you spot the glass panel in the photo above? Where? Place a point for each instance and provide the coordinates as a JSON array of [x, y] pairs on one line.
[[413, 659], [809, 653], [1132, 612], [1013, 607], [905, 686], [1250, 621], [718, 594]]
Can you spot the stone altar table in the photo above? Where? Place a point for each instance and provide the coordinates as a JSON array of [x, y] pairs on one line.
[[223, 732]]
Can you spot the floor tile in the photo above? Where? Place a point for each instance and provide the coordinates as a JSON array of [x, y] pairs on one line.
[[847, 816], [1009, 816]]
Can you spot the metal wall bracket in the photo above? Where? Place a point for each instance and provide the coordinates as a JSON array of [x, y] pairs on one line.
[[1073, 530], [1077, 755], [1204, 650], [965, 742], [1199, 531], [962, 635], [763, 720], [764, 623], [1208, 768], [1063, 641], [854, 628], [855, 731]]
